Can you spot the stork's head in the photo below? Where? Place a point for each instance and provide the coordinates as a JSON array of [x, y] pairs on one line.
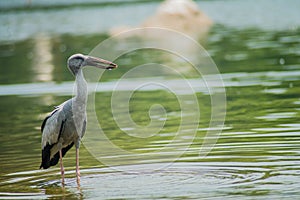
[[77, 61]]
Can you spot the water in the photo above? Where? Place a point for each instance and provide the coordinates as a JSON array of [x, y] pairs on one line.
[[15, 16], [257, 155]]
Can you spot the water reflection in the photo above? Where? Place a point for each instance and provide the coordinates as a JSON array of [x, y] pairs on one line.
[[42, 57], [275, 116]]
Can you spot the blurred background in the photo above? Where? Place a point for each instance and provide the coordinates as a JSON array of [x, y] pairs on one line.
[[256, 47], [37, 36]]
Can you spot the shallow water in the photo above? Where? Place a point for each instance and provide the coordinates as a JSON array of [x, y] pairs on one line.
[[257, 155]]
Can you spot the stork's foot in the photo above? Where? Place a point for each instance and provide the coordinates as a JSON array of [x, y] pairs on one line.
[[62, 181], [78, 177], [62, 170], [77, 167]]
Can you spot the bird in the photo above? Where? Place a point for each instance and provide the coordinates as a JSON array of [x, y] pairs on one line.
[[65, 126]]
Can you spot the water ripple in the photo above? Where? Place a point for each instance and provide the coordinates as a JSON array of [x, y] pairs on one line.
[[207, 177]]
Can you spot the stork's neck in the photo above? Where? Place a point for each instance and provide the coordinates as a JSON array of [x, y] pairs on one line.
[[81, 87]]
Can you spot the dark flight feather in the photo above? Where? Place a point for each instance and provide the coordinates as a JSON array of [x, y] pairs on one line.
[[46, 162], [46, 152]]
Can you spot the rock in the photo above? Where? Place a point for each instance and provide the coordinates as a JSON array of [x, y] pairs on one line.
[[183, 16]]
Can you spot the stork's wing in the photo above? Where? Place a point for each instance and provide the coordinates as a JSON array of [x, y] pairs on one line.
[[51, 127]]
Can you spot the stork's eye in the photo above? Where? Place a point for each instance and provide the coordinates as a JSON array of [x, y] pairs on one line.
[[76, 62]]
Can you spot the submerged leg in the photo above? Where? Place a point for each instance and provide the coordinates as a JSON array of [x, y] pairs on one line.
[[62, 170], [77, 167]]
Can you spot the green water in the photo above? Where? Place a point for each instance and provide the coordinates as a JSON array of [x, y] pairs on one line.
[[256, 156]]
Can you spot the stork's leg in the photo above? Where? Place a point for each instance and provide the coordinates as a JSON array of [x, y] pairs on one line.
[[77, 167], [62, 170]]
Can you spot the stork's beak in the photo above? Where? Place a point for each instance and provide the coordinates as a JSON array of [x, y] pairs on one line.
[[100, 63]]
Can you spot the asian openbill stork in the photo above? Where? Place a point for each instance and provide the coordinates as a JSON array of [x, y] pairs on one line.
[[65, 126]]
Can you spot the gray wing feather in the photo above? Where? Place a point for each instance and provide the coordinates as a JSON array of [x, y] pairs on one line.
[[51, 126]]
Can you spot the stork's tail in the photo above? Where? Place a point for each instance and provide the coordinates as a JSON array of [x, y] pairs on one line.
[[46, 152]]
